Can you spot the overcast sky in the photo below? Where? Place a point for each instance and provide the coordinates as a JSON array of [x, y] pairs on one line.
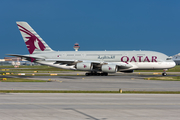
[[95, 24]]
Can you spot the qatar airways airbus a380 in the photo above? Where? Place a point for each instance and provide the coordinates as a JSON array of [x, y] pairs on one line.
[[95, 62]]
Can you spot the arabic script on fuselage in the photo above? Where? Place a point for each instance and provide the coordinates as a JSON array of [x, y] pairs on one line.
[[106, 57]]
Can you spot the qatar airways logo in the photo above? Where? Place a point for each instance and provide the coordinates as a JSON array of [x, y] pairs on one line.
[[33, 42], [127, 59], [109, 68]]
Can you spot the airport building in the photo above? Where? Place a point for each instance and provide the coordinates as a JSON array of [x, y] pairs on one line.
[[176, 59], [15, 61]]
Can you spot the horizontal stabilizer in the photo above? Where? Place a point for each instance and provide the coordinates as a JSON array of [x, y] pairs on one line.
[[27, 57]]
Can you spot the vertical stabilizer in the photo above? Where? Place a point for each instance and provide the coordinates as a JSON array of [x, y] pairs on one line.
[[32, 40]]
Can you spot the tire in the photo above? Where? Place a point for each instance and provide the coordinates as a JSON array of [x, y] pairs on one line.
[[164, 74], [87, 74]]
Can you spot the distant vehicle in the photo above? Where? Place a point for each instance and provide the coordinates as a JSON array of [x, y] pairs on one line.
[[95, 62]]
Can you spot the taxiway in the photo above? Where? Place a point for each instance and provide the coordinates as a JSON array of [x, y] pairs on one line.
[[61, 106], [93, 83]]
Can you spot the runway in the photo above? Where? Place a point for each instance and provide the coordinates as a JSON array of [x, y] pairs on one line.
[[126, 82], [79, 106], [61, 106]]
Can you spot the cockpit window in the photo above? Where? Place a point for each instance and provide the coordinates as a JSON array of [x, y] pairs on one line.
[[169, 59]]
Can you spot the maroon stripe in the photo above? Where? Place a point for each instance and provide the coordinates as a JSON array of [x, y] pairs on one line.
[[25, 30]]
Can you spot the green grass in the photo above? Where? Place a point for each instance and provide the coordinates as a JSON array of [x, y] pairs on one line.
[[20, 80], [56, 91], [47, 74], [175, 69], [32, 68], [176, 78], [43, 68]]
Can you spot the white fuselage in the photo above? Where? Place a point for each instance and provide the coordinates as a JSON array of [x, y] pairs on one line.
[[138, 59]]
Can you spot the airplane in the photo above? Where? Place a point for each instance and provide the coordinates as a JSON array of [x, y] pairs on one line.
[[94, 62]]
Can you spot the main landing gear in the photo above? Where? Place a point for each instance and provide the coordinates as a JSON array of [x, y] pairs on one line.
[[164, 72], [96, 74]]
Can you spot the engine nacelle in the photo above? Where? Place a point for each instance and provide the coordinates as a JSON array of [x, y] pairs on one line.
[[87, 66], [128, 71], [109, 68]]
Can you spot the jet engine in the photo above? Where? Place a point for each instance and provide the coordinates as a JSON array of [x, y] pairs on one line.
[[109, 68], [84, 66]]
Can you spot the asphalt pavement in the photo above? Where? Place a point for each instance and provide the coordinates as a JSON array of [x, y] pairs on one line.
[[126, 82], [61, 106]]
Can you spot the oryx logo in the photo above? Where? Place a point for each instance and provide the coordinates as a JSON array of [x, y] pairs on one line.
[[32, 59], [84, 66], [33, 42], [109, 68]]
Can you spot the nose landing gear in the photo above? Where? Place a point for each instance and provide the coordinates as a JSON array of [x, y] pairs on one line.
[[164, 72]]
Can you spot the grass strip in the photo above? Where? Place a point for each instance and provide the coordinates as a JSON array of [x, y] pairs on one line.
[[175, 69], [44, 75], [56, 91], [42, 68], [175, 78], [20, 80], [31, 68]]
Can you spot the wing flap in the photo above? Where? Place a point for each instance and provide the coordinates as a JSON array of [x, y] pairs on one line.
[[68, 61]]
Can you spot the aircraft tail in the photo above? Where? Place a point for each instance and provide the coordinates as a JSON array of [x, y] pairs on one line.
[[32, 40]]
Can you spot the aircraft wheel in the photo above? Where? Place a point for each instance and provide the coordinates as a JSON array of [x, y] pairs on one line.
[[96, 74], [87, 74], [164, 74], [104, 74]]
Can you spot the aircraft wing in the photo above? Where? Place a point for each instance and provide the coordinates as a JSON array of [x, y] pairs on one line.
[[121, 65], [32, 58]]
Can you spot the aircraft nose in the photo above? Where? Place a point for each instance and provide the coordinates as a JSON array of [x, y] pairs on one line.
[[173, 64]]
